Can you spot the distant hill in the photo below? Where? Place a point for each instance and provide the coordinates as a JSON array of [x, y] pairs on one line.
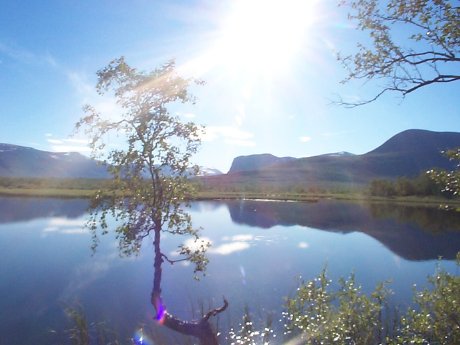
[[408, 153], [20, 161]]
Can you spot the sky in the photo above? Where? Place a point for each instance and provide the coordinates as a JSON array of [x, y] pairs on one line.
[[270, 71]]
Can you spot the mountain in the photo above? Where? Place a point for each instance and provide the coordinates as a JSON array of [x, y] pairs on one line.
[[408, 153], [256, 162], [19, 161]]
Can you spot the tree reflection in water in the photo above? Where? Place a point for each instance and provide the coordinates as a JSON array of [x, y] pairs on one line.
[[201, 328]]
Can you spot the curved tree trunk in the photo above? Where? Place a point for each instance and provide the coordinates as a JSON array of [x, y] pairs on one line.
[[201, 328]]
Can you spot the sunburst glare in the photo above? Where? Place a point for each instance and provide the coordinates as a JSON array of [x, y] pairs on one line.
[[261, 37], [258, 39]]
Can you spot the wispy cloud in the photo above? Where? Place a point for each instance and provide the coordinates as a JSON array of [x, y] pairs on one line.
[[17, 54], [28, 57], [86, 273], [80, 83], [305, 139], [84, 88]]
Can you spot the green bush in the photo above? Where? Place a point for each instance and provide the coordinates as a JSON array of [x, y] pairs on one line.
[[348, 316]]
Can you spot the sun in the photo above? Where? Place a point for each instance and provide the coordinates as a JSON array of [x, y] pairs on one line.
[[261, 37]]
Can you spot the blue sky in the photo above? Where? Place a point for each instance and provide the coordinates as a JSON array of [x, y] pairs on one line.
[[269, 82]]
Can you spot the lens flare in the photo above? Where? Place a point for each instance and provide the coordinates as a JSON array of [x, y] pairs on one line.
[[140, 338], [161, 314]]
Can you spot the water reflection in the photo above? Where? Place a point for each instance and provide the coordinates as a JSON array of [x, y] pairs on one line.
[[411, 232], [259, 249]]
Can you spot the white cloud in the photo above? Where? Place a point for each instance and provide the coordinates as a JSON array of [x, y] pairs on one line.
[[58, 221], [70, 148], [243, 237], [68, 145], [238, 243], [305, 139], [59, 225], [303, 245], [75, 231], [55, 141], [197, 244], [229, 248], [230, 135], [51, 229], [77, 141], [239, 118]]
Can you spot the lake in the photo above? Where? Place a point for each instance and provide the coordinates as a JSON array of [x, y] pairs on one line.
[[260, 249]]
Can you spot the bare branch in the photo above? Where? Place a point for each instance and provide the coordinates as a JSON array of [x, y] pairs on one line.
[[408, 65]]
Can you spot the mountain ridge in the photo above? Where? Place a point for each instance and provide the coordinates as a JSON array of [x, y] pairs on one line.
[[406, 154], [27, 162]]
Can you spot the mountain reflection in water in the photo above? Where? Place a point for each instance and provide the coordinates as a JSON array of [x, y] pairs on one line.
[[411, 232]]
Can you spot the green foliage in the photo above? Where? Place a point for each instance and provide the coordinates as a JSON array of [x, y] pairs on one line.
[[79, 333], [422, 185], [436, 316], [151, 166], [84, 333], [347, 316], [51, 183], [449, 180], [382, 188], [247, 332], [413, 44]]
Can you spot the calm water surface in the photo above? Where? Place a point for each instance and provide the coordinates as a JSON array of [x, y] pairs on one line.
[[260, 249]]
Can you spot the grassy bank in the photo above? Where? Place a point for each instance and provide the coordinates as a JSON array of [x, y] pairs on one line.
[[47, 192], [85, 188]]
